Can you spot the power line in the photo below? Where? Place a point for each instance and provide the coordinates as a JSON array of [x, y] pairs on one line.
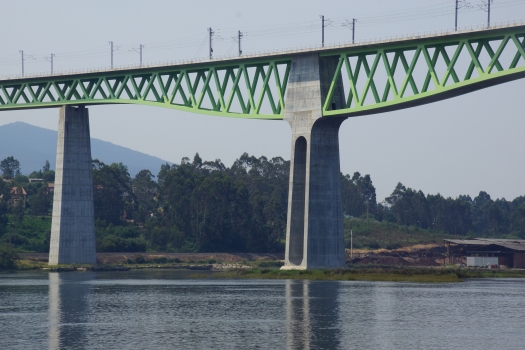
[[351, 25], [50, 59], [24, 58], [302, 28], [139, 51]]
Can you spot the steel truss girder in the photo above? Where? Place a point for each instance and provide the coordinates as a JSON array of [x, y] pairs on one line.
[[401, 91], [233, 90], [241, 87]]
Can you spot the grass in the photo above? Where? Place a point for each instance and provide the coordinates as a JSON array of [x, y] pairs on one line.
[[424, 275], [374, 234]]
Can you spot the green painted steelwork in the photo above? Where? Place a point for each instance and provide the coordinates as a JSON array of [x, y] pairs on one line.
[[255, 87], [231, 89], [396, 63]]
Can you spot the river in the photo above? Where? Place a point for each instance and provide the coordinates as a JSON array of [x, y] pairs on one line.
[[167, 309]]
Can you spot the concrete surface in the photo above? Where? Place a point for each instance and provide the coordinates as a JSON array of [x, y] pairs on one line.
[[73, 222], [314, 233]]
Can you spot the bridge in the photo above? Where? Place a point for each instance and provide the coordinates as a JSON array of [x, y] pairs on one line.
[[314, 90]]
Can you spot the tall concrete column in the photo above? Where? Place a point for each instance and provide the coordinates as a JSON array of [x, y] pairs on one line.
[[314, 233], [73, 223]]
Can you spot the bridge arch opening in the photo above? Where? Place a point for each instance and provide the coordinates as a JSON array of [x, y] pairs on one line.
[[296, 251]]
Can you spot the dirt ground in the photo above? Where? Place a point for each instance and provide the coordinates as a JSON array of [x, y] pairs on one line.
[[416, 255], [120, 258]]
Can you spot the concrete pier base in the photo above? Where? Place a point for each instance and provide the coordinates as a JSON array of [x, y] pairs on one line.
[[314, 234], [73, 222]]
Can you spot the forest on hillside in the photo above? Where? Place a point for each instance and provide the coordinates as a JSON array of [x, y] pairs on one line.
[[204, 206]]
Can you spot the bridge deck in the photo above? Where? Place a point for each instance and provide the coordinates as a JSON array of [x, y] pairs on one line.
[[377, 75]]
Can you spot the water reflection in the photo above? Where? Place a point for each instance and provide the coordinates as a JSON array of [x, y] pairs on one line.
[[69, 310], [312, 315]]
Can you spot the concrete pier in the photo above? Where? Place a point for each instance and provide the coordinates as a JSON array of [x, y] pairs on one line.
[[314, 233], [73, 223]]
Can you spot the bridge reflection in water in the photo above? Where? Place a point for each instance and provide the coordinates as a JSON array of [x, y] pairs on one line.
[[69, 309], [312, 317]]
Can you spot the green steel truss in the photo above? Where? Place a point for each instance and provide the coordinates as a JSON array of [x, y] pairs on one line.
[[419, 71], [239, 88], [375, 77]]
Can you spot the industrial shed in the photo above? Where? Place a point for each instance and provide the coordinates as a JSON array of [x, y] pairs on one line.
[[487, 251]]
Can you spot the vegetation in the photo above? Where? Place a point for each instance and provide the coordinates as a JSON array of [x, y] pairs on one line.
[[373, 234], [10, 167], [372, 274], [8, 257], [204, 206]]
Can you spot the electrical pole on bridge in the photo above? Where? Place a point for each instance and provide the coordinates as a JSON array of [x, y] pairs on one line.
[[239, 37], [322, 30], [211, 32], [486, 7], [23, 59], [324, 23], [139, 51], [459, 5], [351, 25], [50, 59], [111, 45]]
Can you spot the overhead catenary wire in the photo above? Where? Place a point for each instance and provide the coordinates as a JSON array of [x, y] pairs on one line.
[[258, 32]]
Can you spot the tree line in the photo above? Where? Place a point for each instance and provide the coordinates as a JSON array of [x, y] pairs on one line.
[[481, 216], [204, 206]]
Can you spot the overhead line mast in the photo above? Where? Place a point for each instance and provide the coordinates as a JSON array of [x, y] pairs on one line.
[[50, 59], [240, 35], [211, 32]]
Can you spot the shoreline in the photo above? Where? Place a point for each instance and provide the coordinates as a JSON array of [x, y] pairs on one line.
[[264, 271]]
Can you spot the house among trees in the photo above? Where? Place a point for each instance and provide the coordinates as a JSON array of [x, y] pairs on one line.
[[16, 195]]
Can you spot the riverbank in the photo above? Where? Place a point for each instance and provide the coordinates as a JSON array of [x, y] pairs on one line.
[[270, 270], [374, 274]]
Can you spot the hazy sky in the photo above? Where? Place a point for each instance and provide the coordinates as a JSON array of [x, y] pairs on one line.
[[459, 146]]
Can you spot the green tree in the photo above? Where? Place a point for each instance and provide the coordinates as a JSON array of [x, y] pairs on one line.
[[7, 257], [113, 194], [495, 218], [3, 218], [49, 176], [145, 190], [517, 221], [46, 166], [41, 202], [10, 167]]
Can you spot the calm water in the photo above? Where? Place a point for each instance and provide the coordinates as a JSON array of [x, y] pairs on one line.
[[166, 309]]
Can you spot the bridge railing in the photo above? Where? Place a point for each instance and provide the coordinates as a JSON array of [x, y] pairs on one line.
[[286, 51]]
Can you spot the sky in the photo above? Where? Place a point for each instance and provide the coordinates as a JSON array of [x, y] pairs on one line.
[[458, 146]]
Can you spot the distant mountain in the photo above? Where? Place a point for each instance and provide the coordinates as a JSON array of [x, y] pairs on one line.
[[32, 146]]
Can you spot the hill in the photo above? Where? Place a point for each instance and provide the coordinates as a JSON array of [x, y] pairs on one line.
[[33, 145]]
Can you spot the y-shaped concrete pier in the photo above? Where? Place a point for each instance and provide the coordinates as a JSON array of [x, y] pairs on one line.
[[314, 233], [73, 222]]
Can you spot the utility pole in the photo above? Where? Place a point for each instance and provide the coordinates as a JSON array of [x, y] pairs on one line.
[[139, 51], [488, 11], [459, 5], [240, 35], [486, 8], [111, 45], [353, 29], [322, 30], [50, 59], [351, 25], [23, 59], [456, 22], [22, 54], [211, 32]]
